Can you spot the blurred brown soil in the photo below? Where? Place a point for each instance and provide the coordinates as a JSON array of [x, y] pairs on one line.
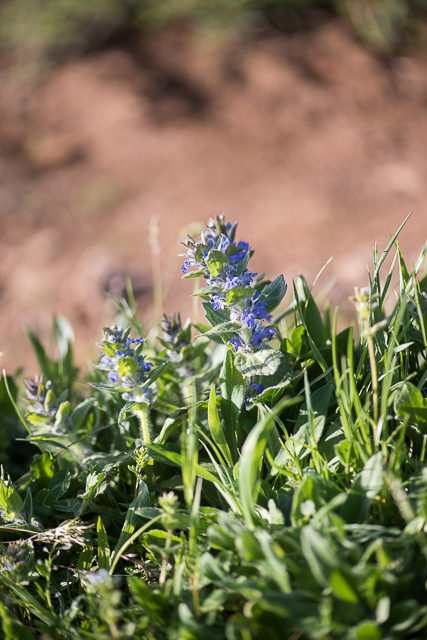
[[314, 144]]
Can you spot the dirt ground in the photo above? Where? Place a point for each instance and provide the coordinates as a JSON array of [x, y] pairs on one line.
[[314, 144]]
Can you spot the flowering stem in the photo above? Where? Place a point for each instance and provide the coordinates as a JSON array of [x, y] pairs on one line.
[[162, 577], [145, 424]]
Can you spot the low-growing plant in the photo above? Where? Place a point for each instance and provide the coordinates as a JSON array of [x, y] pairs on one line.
[[57, 30], [254, 476]]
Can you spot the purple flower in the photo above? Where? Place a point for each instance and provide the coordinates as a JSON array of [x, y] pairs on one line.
[[224, 244], [269, 333], [106, 360], [218, 302], [259, 310], [187, 264], [246, 278], [257, 388], [237, 257], [248, 318], [113, 376], [235, 342], [232, 282], [261, 333]]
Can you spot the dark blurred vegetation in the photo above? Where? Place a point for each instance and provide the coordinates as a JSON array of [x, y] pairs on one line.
[[54, 30]]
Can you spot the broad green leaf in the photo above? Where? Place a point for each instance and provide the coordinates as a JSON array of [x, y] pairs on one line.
[[216, 263], [62, 413], [174, 458], [366, 486], [160, 537], [223, 327], [36, 418], [81, 412], [216, 429], [10, 500], [132, 520], [233, 396], [250, 460], [273, 293], [194, 274], [108, 349], [127, 366], [409, 404], [264, 362], [64, 336], [103, 546], [313, 493], [154, 604], [342, 587], [366, 631], [45, 364], [311, 313], [215, 317], [320, 554], [210, 290], [298, 344], [42, 467], [85, 560], [59, 484], [238, 293], [244, 263]]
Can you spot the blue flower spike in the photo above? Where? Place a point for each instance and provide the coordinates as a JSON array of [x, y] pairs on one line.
[[222, 262]]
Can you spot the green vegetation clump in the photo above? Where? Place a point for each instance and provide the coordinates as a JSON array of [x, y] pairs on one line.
[[251, 477], [70, 27]]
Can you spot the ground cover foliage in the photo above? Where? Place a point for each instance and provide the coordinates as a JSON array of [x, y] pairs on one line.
[[255, 474], [70, 27]]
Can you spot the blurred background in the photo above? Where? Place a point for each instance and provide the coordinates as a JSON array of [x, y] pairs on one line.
[[124, 124]]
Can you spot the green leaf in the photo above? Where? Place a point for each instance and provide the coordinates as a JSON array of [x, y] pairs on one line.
[[10, 500], [366, 486], [85, 560], [409, 404], [311, 313], [103, 546], [216, 263], [215, 317], [238, 293], [313, 493], [223, 327], [233, 396], [210, 290], [342, 587], [273, 293], [59, 484], [250, 461], [298, 344], [320, 554], [132, 520], [81, 412], [264, 362], [244, 262], [42, 467], [12, 627], [36, 418], [194, 274], [366, 631], [155, 605], [127, 366], [108, 349], [216, 429]]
